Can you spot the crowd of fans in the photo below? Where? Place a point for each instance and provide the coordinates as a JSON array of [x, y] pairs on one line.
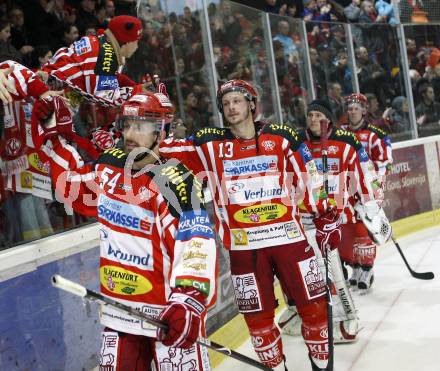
[[172, 47]]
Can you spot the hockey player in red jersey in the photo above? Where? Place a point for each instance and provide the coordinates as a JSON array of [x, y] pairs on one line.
[[158, 251], [92, 65], [256, 174], [349, 175], [359, 245]]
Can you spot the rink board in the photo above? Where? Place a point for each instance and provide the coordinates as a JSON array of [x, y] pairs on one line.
[[44, 329]]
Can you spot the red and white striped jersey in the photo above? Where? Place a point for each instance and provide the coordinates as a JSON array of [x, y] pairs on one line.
[[350, 172], [377, 144], [91, 66], [154, 229], [256, 184], [22, 167]]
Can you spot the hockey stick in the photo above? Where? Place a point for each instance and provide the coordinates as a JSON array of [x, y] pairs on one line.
[[76, 289], [324, 152], [419, 275]]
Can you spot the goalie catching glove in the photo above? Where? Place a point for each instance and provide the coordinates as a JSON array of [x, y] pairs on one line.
[[182, 314], [375, 220]]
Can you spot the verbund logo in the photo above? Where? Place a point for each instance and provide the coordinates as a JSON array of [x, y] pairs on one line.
[[254, 189]]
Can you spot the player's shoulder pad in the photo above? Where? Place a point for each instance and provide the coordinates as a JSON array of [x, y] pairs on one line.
[[210, 134], [378, 131], [346, 136], [114, 157], [179, 187], [293, 136]]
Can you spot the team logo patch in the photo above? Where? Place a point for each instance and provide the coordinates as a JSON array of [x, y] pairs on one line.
[[268, 145], [247, 293], [103, 139], [13, 146]]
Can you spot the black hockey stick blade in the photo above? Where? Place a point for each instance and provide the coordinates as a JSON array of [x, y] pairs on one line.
[[90, 295], [419, 275]]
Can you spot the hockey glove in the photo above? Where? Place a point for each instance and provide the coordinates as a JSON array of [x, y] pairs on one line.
[[328, 230], [375, 220], [182, 314]]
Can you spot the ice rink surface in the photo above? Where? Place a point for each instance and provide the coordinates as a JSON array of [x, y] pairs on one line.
[[400, 316]]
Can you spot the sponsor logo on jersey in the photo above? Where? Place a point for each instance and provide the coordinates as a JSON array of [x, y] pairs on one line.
[[13, 146], [260, 214], [130, 217], [247, 293], [312, 277], [8, 121], [82, 46], [333, 164], [305, 153], [36, 163], [127, 258], [240, 237], [192, 225], [292, 230], [246, 148], [250, 166], [123, 281], [387, 141], [27, 109], [254, 189], [202, 286], [363, 136], [107, 83], [205, 131]]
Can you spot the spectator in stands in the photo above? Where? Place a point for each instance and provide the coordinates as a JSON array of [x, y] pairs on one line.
[[7, 50], [298, 112], [353, 11], [310, 9], [398, 116], [371, 76], [335, 99], [69, 35], [341, 72], [19, 33], [428, 111], [284, 38], [40, 56], [86, 16], [385, 9], [375, 114], [319, 75], [109, 9], [337, 41]]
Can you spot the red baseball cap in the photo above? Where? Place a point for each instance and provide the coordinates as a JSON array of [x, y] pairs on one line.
[[125, 28]]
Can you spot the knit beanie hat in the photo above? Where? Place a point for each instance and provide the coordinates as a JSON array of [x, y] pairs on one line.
[[125, 28], [322, 106]]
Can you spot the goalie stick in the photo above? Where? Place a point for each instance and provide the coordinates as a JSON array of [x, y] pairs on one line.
[[419, 275], [324, 152], [90, 295]]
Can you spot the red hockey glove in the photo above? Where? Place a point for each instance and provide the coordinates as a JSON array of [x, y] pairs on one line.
[[328, 230], [182, 314], [52, 117]]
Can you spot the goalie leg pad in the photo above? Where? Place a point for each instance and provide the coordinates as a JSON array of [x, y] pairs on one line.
[[315, 331], [266, 338], [345, 331], [121, 351]]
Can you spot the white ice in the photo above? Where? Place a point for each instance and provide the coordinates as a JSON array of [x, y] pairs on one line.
[[400, 316]]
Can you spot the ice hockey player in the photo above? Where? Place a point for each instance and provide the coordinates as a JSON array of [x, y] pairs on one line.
[[92, 65], [255, 173], [361, 253], [158, 251], [349, 174]]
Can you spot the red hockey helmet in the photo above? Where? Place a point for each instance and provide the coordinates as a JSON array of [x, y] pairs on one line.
[[236, 85], [356, 98], [152, 108]]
